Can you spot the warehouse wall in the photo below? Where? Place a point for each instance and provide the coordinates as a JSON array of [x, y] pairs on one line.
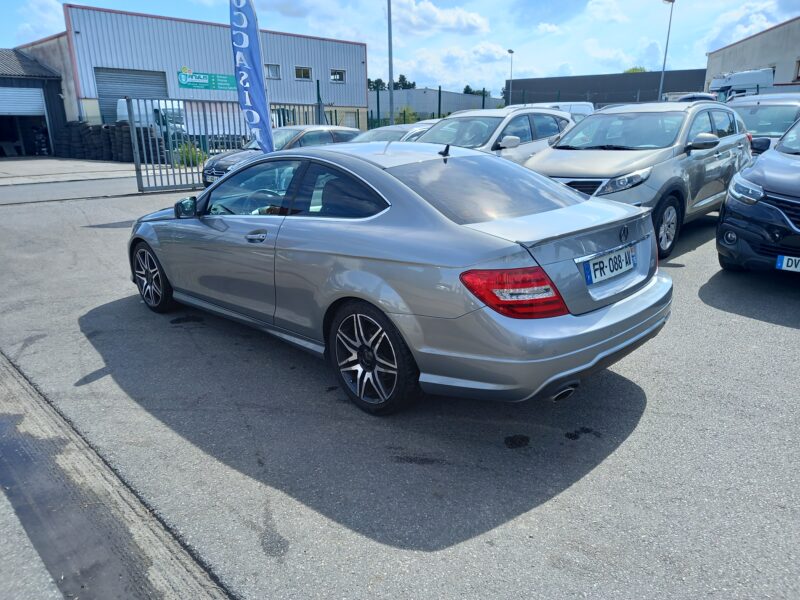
[[426, 101], [112, 39], [55, 107], [53, 52]]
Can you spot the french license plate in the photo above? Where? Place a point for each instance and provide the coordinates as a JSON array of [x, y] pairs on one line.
[[788, 263], [609, 265], [211, 178]]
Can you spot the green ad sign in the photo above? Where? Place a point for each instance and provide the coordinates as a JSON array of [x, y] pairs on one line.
[[206, 81]]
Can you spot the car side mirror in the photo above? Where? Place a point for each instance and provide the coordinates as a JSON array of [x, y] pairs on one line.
[[509, 141], [703, 141], [759, 145], [186, 208], [553, 139]]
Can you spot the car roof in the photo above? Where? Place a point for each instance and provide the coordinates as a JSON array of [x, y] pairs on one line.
[[318, 127], [504, 112], [650, 107], [774, 99], [382, 154], [396, 127]]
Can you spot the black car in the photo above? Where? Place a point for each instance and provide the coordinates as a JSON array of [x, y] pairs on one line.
[[284, 138], [759, 223]]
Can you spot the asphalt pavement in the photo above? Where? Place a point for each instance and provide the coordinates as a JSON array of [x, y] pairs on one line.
[[672, 474]]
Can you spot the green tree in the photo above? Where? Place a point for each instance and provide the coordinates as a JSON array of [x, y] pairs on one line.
[[635, 70], [376, 84], [468, 90], [403, 83]]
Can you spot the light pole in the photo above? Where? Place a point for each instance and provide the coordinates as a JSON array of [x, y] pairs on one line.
[[391, 69], [510, 75], [666, 47]]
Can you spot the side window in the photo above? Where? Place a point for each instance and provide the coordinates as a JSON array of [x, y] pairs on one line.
[[544, 125], [520, 127], [563, 123], [328, 192], [315, 138], [344, 136], [258, 190], [701, 124], [723, 123]]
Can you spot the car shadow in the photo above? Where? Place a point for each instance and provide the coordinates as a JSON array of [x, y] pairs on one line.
[[769, 296], [693, 235], [438, 474]]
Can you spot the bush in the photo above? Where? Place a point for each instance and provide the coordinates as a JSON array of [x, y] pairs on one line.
[[189, 155]]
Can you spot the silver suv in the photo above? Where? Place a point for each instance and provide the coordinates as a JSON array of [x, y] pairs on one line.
[[514, 132], [676, 157]]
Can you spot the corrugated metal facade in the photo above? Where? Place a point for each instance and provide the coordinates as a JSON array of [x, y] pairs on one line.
[[117, 40], [51, 89]]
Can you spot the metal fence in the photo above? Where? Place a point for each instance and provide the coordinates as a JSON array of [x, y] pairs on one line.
[[170, 140]]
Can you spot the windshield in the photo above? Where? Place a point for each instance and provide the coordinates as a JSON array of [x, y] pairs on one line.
[[477, 189], [280, 136], [380, 135], [768, 121], [467, 132], [790, 142], [624, 131]]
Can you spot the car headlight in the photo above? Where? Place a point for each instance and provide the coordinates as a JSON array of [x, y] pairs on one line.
[[745, 191], [625, 181]]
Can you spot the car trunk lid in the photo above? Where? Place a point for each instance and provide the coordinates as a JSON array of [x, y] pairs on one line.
[[562, 240]]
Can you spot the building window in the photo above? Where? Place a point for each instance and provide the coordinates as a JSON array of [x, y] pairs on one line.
[[273, 71], [303, 73], [337, 75]]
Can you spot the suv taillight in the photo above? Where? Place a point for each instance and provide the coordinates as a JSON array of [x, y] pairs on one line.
[[517, 293]]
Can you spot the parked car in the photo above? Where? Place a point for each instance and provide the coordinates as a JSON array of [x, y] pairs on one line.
[[674, 157], [402, 132], [295, 136], [691, 97], [515, 133], [767, 115], [759, 223], [411, 267], [578, 110]]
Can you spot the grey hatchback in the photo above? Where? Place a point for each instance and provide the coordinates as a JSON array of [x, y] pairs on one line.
[[675, 157], [410, 266]]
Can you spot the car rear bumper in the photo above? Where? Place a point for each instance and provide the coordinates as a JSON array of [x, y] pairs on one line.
[[486, 355], [762, 231]]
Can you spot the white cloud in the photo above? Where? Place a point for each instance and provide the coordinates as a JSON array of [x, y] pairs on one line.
[[546, 28], [606, 55], [605, 11], [564, 70], [423, 16], [489, 52], [40, 18], [739, 22]]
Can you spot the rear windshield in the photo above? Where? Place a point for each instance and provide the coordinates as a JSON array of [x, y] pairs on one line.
[[476, 189], [769, 121], [381, 135], [468, 132]]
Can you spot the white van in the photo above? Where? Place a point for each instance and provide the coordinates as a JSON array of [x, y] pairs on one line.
[[165, 116]]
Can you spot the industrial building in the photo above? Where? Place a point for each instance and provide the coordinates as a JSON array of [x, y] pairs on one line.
[[776, 48], [104, 55], [427, 102], [613, 88]]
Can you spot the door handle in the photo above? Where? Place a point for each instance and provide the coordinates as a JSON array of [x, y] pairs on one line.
[[256, 237]]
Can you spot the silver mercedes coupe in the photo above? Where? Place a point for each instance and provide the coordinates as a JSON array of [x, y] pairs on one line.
[[413, 268]]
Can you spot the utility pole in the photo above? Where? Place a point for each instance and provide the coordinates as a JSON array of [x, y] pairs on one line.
[[510, 76], [391, 69], [666, 47]]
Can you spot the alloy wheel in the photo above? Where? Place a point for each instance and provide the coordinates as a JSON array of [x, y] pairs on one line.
[[668, 228], [148, 277], [366, 358]]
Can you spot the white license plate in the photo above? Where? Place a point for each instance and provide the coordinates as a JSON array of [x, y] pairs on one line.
[[788, 263], [211, 178], [609, 265]]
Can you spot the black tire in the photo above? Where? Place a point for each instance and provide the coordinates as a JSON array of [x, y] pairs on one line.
[[728, 265], [667, 232], [373, 364], [150, 279]]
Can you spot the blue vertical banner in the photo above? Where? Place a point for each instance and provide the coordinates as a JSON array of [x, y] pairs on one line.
[[249, 70]]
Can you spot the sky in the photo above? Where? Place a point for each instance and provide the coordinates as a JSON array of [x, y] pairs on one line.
[[454, 43]]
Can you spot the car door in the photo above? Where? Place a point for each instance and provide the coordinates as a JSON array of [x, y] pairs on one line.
[[702, 166], [226, 255], [730, 147], [320, 243], [519, 126]]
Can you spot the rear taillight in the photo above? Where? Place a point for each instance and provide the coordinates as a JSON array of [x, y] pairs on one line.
[[517, 293]]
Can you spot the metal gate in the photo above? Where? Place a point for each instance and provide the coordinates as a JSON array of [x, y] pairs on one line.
[[172, 139]]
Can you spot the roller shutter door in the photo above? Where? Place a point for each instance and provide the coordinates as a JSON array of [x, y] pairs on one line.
[[21, 101], [113, 84]]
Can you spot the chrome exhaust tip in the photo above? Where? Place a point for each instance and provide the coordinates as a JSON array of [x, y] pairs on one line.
[[565, 393]]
